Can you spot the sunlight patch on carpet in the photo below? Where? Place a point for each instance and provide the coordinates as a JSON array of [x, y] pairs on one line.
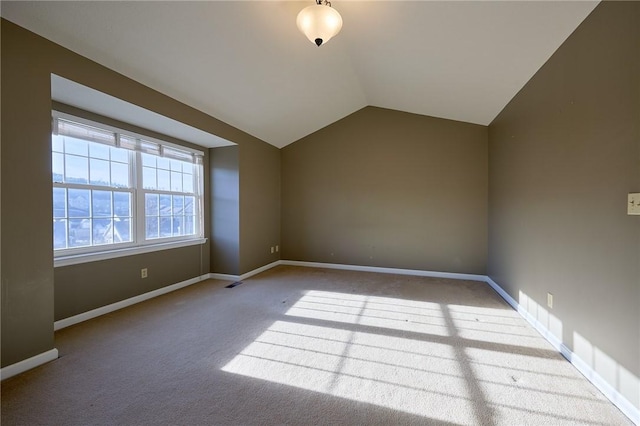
[[374, 311], [381, 370], [456, 363]]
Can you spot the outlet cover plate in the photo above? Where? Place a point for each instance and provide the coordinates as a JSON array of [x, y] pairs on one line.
[[633, 204]]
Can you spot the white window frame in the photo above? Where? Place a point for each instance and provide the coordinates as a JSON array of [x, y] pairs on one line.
[[139, 244]]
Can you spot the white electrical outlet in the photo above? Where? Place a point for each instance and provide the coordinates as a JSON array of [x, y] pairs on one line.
[[272, 249], [633, 204], [143, 273], [277, 249], [550, 300]]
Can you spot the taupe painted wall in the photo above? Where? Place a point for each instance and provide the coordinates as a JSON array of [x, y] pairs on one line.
[[225, 218], [259, 205], [390, 189], [563, 156], [27, 256], [27, 260], [81, 288]]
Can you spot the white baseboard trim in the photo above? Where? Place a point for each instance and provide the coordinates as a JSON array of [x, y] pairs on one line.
[[377, 269], [260, 269], [609, 391], [228, 277], [414, 272], [223, 277], [66, 322], [555, 342], [603, 386], [28, 364]]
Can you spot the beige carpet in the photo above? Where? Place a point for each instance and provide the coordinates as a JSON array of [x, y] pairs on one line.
[[309, 346]]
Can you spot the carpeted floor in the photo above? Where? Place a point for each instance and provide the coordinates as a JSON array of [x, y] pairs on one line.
[[309, 346]]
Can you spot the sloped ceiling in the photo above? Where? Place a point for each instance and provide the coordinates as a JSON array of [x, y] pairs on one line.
[[246, 63]]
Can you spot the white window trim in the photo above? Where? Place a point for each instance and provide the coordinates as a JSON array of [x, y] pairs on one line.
[[140, 245], [122, 252]]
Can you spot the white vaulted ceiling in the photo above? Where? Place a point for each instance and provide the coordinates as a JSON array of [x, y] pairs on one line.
[[246, 63]]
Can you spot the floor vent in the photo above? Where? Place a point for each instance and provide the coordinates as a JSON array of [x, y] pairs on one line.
[[232, 285]]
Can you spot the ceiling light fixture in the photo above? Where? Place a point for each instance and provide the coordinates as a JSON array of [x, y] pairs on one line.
[[319, 22]]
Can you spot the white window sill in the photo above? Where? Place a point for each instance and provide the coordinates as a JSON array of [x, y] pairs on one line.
[[129, 251]]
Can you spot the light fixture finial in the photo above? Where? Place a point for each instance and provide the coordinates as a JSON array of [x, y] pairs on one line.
[[319, 22]]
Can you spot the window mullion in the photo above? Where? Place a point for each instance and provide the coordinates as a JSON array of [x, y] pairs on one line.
[[90, 216], [66, 217], [140, 194], [199, 178]]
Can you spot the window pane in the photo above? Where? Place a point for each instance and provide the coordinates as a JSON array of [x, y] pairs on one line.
[[152, 227], [57, 167], [119, 154], [57, 143], [78, 203], [102, 231], [122, 230], [76, 146], [178, 225], [178, 204], [151, 204], [122, 204], [188, 205], [176, 165], [148, 160], [101, 204], [79, 232], [120, 175], [97, 150], [187, 183], [77, 169], [163, 180], [163, 163], [149, 178], [189, 228], [59, 234], [165, 226], [176, 181], [59, 202], [165, 205], [99, 172]]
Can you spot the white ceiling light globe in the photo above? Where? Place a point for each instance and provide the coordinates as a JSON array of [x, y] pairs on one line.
[[319, 23]]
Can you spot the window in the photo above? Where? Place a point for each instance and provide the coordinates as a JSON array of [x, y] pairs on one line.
[[114, 189]]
